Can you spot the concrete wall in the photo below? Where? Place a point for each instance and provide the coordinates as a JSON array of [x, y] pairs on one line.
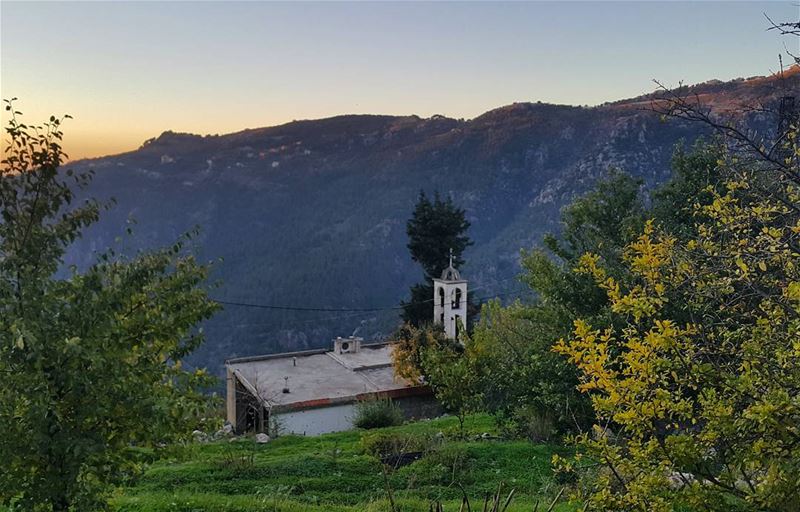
[[312, 422], [230, 397], [337, 418], [418, 407]]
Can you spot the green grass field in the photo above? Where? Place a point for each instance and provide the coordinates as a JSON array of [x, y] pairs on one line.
[[333, 473]]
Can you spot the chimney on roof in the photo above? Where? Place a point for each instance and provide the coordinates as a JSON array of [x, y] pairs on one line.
[[347, 345]]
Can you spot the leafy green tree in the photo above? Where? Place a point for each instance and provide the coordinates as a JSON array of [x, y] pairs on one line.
[[410, 344], [705, 411], [696, 176], [528, 388], [434, 230], [525, 385], [418, 311], [425, 354], [90, 365], [449, 372], [604, 219]]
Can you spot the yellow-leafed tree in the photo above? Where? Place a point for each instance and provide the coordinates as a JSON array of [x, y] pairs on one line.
[[697, 395]]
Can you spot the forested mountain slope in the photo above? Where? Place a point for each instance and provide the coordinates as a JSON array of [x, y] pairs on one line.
[[312, 213]]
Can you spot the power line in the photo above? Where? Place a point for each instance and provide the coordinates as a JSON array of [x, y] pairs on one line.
[[336, 310], [275, 307], [300, 308], [360, 312]]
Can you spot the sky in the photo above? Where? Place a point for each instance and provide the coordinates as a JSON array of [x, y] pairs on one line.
[[127, 71]]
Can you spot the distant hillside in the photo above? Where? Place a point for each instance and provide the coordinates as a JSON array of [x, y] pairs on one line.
[[312, 213]]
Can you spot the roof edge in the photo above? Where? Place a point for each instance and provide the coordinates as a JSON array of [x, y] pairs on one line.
[[302, 353]]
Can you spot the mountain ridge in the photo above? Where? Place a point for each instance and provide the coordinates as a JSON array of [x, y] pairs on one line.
[[790, 73], [312, 213]]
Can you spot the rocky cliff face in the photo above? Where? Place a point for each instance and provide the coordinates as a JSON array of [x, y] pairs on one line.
[[312, 213]]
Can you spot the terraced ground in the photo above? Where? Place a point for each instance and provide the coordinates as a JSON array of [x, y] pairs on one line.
[[334, 472]]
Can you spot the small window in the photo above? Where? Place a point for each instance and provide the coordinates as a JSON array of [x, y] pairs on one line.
[[458, 321], [441, 296]]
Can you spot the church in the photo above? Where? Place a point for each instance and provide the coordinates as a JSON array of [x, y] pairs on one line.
[[316, 391]]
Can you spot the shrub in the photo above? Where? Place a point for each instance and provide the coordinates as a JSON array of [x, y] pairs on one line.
[[237, 460], [385, 444], [449, 465], [377, 413], [536, 425]]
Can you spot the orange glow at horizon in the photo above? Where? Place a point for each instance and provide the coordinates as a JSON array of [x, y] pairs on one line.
[[128, 71]]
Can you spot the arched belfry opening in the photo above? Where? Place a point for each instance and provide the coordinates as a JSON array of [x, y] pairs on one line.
[[452, 311]]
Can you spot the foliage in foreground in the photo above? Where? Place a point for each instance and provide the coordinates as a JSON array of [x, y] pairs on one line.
[[525, 384], [696, 377], [90, 362]]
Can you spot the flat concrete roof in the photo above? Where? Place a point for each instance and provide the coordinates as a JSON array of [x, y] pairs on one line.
[[320, 377]]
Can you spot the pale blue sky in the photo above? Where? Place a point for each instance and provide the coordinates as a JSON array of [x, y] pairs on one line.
[[129, 70]]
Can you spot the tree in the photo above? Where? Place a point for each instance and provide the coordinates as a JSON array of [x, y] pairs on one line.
[[411, 342], [696, 177], [523, 383], [604, 219], [434, 230], [425, 355], [698, 391], [530, 390], [698, 374], [449, 372], [91, 362]]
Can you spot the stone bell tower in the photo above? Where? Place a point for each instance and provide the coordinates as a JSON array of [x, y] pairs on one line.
[[450, 301]]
